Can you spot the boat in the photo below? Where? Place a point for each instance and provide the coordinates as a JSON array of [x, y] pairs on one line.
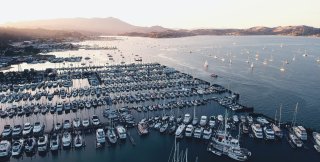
[[189, 130], [5, 148], [220, 118], [43, 143], [7, 131], [17, 148], [203, 120], [95, 120], [257, 131], [300, 132], [27, 129], [207, 133], [37, 128], [252, 66], [54, 142], [316, 138], [112, 137], [180, 130], [238, 154], [206, 64], [186, 119], [212, 121], [85, 123], [194, 121], [66, 139], [121, 131], [143, 128], [235, 118], [262, 120], [100, 136], [66, 124], [213, 75], [250, 119], [76, 123], [30, 145], [57, 126], [295, 140], [78, 141], [269, 133], [198, 132], [16, 131], [164, 127]]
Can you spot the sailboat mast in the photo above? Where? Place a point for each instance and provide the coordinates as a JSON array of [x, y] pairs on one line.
[[280, 115]]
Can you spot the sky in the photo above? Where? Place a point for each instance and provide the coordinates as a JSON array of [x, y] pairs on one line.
[[188, 14]]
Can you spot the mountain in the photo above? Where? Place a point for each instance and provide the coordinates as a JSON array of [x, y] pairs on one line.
[[110, 25]]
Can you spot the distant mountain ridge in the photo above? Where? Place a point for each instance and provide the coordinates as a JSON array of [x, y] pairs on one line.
[[114, 26]]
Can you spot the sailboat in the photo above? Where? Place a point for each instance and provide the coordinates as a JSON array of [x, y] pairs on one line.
[[252, 65], [282, 68], [206, 64], [271, 58], [292, 132], [294, 58], [277, 128], [318, 60]]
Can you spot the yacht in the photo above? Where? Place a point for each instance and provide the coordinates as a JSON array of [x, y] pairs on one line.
[[7, 131], [269, 133], [66, 139], [76, 123], [27, 129], [112, 137], [257, 131], [37, 128], [5, 148], [17, 148], [262, 120], [277, 131], [207, 132], [143, 128], [43, 143], [30, 145], [121, 131], [220, 118], [203, 120], [197, 132], [101, 136], [235, 118], [54, 142], [295, 140], [189, 130], [16, 131], [78, 141], [186, 119], [95, 120], [179, 131], [212, 121], [300, 132], [85, 123], [164, 127], [316, 137], [238, 154]]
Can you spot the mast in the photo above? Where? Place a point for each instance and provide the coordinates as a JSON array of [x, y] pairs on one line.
[[280, 115], [295, 115]]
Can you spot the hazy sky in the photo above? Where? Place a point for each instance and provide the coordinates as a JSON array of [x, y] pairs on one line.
[[171, 13]]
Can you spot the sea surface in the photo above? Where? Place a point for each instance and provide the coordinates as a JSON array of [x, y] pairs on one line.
[[248, 65]]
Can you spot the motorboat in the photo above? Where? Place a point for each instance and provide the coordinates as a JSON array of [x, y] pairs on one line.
[[300, 132], [16, 131], [43, 143], [164, 127], [187, 118], [100, 136], [85, 123], [112, 137], [30, 145], [198, 132], [76, 123], [235, 118], [220, 118], [250, 119], [57, 126], [257, 131], [262, 120], [7, 131], [5, 148], [212, 121], [27, 129], [295, 140], [66, 124], [17, 147], [143, 128], [203, 120], [189, 130], [121, 131], [207, 133], [180, 130], [95, 120], [66, 139], [238, 154], [195, 121], [54, 142], [277, 131], [37, 128], [78, 141], [316, 138], [269, 133]]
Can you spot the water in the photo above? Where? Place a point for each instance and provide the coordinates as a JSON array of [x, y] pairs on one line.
[[265, 87]]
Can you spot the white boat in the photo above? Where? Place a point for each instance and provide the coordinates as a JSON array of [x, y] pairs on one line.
[[5, 148], [54, 142], [66, 139], [76, 123], [300, 132], [212, 121], [66, 124], [187, 118], [37, 128], [27, 129], [17, 148], [16, 131], [100, 136], [207, 133], [252, 66], [180, 130], [235, 118], [143, 128], [57, 126], [262, 120], [198, 132], [250, 119], [206, 64], [295, 140], [43, 143], [95, 120], [220, 118], [189, 130], [112, 137], [195, 121], [85, 123], [316, 137], [238, 154], [203, 120], [257, 131], [277, 131], [164, 127], [78, 141], [7, 130], [121, 131], [269, 133]]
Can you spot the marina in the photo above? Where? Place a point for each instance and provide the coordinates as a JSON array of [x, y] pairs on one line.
[[108, 107]]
